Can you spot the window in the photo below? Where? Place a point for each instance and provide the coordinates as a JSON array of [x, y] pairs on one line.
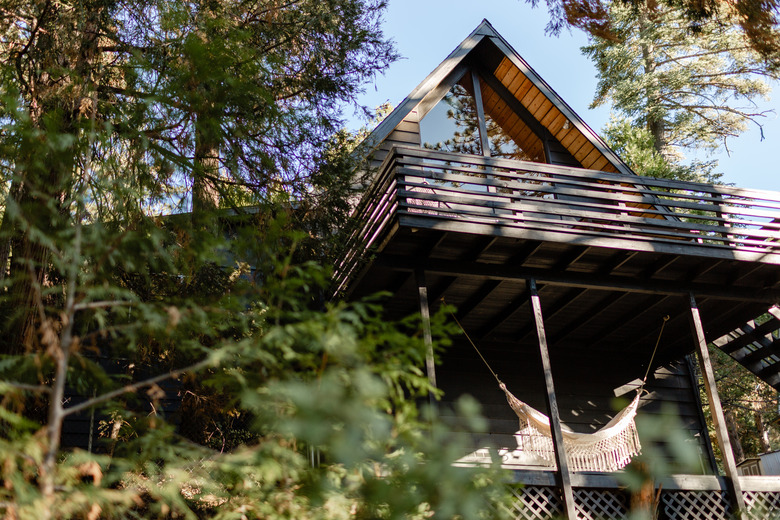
[[453, 125]]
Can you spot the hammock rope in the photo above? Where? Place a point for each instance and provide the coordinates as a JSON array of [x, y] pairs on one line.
[[609, 449]]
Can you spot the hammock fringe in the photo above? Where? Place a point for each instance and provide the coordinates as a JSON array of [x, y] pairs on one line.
[[609, 449]]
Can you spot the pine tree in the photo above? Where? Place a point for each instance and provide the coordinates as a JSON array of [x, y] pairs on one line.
[[295, 408], [758, 20], [195, 100], [675, 89], [688, 89]]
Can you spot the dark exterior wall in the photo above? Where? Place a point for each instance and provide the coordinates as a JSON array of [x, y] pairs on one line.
[[585, 389], [407, 133], [91, 428], [560, 155]]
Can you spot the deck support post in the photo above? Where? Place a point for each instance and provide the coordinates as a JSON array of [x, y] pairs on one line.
[[564, 476], [425, 313], [729, 464]]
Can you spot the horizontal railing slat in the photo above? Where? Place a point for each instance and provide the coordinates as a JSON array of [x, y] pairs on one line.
[[607, 193], [408, 154], [590, 210], [579, 227], [420, 184]]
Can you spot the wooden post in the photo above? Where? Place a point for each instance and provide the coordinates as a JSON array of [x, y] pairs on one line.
[[642, 502], [483, 135], [732, 477], [564, 476], [425, 312]]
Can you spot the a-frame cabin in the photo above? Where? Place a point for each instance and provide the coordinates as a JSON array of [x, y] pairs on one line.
[[490, 193]]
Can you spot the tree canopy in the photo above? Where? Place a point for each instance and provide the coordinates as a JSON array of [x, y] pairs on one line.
[[216, 380], [678, 90], [170, 122], [758, 20]]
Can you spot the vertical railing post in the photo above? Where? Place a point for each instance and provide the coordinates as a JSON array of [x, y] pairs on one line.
[[718, 202], [564, 476], [729, 464], [425, 313]]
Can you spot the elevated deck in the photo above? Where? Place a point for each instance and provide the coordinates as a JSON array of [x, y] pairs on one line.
[[612, 252], [443, 191]]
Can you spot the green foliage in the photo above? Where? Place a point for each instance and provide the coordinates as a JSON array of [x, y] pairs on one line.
[[750, 405], [759, 20], [286, 406], [691, 90], [635, 145], [299, 378]]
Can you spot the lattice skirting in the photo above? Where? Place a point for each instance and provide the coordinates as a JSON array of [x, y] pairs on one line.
[[762, 505], [544, 503], [600, 504], [695, 505], [535, 503], [715, 505]]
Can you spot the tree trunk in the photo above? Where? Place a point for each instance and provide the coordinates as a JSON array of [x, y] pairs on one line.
[[655, 124], [7, 227], [731, 427], [44, 167], [643, 501], [658, 131], [205, 171], [763, 433], [205, 196]]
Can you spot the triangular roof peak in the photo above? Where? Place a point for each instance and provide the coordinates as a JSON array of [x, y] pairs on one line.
[[513, 94]]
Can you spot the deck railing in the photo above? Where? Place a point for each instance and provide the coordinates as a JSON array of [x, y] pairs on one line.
[[433, 189]]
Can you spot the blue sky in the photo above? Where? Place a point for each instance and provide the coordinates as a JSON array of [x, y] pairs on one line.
[[426, 31]]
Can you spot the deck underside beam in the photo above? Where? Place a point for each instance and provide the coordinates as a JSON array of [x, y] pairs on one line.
[[574, 279]]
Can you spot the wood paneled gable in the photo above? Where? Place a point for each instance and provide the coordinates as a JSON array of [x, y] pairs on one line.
[[512, 95]]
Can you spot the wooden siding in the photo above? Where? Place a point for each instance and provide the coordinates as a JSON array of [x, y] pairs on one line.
[[585, 387], [561, 156], [407, 133]]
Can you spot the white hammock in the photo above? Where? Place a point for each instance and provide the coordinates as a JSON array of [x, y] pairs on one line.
[[608, 449]]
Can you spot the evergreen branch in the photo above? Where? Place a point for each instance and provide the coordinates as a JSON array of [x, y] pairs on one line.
[[18, 58], [739, 72], [672, 104], [678, 59], [731, 88], [100, 305], [31, 388], [135, 387], [257, 15], [140, 94]]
